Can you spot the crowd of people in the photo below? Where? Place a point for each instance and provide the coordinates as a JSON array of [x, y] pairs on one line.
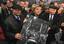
[[13, 15]]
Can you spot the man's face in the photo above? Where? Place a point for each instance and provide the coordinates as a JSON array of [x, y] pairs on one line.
[[24, 4], [16, 12], [56, 4], [9, 4], [37, 10], [52, 11]]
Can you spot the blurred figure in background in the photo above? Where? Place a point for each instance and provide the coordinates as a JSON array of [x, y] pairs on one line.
[[13, 25], [52, 17], [61, 25]]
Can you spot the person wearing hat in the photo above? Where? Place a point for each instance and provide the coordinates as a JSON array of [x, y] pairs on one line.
[[14, 25], [52, 17]]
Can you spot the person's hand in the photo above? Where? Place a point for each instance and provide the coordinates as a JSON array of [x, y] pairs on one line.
[[18, 36], [49, 28], [62, 24]]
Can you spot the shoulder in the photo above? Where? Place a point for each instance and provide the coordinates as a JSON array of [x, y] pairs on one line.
[[30, 15], [9, 19]]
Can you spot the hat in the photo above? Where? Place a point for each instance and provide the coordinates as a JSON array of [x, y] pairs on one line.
[[15, 6], [53, 7]]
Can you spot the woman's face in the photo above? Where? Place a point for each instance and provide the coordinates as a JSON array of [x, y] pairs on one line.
[[60, 10], [37, 10]]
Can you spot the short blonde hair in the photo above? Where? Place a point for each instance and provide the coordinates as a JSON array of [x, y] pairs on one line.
[[34, 6]]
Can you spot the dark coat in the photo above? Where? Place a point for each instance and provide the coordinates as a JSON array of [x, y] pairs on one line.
[[13, 26], [45, 16], [53, 24], [60, 21]]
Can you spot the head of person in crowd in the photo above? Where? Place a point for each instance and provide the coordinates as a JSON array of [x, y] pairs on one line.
[[24, 3], [56, 4], [60, 11], [62, 4], [3, 5], [46, 10], [51, 3], [37, 9], [52, 9], [16, 10], [9, 3], [41, 2]]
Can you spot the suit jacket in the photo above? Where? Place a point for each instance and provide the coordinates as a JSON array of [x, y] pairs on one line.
[[13, 26], [61, 17], [53, 23]]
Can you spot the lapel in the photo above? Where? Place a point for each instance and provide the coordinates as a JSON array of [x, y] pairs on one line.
[[22, 17], [47, 17], [18, 23], [54, 17], [15, 21], [11, 21]]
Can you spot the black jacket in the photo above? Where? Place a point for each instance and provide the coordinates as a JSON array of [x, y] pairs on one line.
[[53, 23], [13, 26]]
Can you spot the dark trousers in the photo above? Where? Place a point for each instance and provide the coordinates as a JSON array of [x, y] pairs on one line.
[[62, 38], [3, 42], [50, 39], [11, 41], [24, 42]]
